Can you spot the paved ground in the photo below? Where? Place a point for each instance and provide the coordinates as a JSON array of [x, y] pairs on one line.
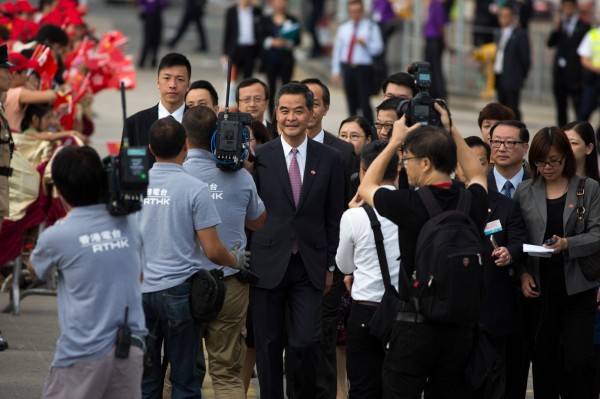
[[32, 335]]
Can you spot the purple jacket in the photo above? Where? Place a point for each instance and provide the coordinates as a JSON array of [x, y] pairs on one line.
[[151, 6]]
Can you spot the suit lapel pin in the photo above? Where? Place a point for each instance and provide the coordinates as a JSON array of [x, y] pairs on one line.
[[313, 172], [571, 206]]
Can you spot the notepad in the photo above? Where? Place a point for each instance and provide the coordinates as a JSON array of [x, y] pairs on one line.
[[537, 250]]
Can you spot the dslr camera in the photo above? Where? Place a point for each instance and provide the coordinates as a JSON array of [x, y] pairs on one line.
[[230, 142], [421, 108], [127, 180]]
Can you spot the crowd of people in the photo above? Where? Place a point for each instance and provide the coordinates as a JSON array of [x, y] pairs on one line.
[[314, 232]]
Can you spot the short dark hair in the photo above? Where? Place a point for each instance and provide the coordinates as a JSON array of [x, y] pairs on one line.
[[50, 34], [523, 132], [260, 132], [474, 141], [540, 147], [495, 112], [350, 2], [433, 143], [371, 150], [249, 82], [324, 89], [32, 110], [167, 137], [362, 123], [200, 124], [400, 79], [206, 85], [389, 104], [296, 88], [78, 175], [175, 59], [586, 132]]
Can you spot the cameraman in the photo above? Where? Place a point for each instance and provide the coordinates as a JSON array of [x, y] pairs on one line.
[[99, 259], [421, 351], [178, 223], [238, 204]]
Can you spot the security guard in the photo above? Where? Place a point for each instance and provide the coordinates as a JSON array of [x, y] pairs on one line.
[[6, 142]]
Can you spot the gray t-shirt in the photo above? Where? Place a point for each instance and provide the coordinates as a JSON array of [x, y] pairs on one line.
[[234, 195], [176, 206], [99, 258]]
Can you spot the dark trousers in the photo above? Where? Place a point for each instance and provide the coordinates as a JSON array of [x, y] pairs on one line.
[[557, 316], [192, 12], [357, 85], [364, 355], [314, 12], [518, 360], [427, 353], [152, 23], [508, 97], [244, 60], [281, 70], [434, 49], [589, 98], [296, 294], [563, 90]]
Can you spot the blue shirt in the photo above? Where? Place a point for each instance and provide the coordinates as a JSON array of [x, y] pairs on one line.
[[234, 195], [177, 205], [99, 261]]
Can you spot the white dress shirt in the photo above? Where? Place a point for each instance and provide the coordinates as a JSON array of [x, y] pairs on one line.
[[504, 36], [245, 26], [300, 156], [515, 180], [357, 253], [178, 114], [361, 55], [320, 137]]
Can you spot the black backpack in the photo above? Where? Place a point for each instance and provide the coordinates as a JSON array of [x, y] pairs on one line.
[[448, 278]]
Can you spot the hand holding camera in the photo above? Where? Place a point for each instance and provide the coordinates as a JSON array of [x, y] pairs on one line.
[[242, 257]]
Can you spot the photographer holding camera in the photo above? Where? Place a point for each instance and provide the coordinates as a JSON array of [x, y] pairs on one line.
[[422, 349], [178, 223], [238, 204], [99, 258]]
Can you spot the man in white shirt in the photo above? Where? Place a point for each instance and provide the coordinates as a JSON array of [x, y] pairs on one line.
[[357, 41], [357, 255], [243, 36]]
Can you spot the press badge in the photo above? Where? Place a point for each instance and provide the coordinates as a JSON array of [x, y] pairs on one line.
[[492, 227]]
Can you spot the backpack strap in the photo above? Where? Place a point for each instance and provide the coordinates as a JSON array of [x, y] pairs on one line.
[[376, 226]]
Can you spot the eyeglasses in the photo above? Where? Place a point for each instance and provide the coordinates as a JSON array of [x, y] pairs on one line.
[[387, 125], [404, 160], [508, 144], [257, 100], [353, 136], [552, 164]]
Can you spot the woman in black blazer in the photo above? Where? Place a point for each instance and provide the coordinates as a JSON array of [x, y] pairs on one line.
[[282, 34], [561, 302]]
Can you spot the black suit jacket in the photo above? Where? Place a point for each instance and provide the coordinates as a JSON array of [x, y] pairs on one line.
[[230, 37], [346, 151], [566, 48], [515, 66], [501, 311], [315, 223], [491, 179]]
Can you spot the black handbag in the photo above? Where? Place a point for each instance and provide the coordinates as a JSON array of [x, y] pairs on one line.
[[590, 265], [380, 325]]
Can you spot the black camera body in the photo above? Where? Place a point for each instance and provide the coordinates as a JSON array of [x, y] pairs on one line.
[[127, 180], [230, 141], [420, 109]]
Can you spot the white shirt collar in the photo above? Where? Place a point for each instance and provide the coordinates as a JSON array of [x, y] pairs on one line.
[[320, 137], [178, 114], [288, 148], [515, 180]]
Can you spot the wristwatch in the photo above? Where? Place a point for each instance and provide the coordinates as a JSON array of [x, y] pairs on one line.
[[331, 268]]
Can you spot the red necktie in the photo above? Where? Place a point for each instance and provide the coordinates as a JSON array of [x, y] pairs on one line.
[[352, 44], [296, 183]]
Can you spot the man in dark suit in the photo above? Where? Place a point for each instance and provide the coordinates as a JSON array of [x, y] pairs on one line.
[[510, 142], [300, 181], [326, 378], [567, 33], [174, 72], [512, 59], [502, 319], [243, 36]]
